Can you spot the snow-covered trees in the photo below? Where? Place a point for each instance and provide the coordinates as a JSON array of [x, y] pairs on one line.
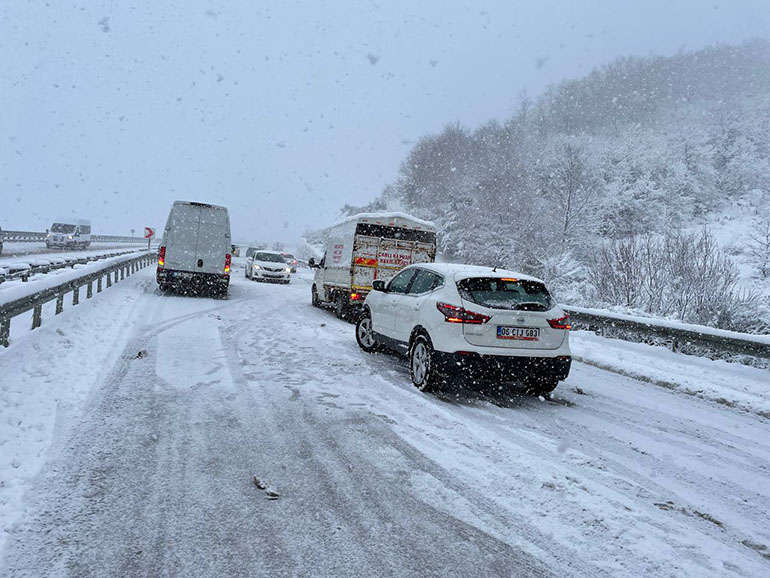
[[638, 149], [681, 275]]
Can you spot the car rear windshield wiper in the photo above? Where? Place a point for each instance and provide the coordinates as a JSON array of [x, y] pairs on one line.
[[530, 306]]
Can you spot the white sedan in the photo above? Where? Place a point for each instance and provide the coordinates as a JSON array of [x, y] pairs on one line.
[[267, 266], [484, 323]]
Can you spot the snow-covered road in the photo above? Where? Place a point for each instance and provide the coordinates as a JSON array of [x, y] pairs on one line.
[[150, 470]]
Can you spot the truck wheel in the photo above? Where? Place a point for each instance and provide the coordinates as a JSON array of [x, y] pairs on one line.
[[341, 306], [421, 365], [365, 334]]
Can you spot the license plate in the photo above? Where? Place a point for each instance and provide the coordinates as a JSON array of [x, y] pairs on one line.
[[519, 333]]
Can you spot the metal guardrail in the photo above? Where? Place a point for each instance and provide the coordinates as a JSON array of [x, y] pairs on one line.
[[24, 273], [34, 302], [31, 237], [679, 338], [21, 236]]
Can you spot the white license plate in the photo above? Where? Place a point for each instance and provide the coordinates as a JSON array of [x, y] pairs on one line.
[[520, 333]]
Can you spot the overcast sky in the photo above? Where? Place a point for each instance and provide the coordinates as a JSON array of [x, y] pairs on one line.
[[283, 111]]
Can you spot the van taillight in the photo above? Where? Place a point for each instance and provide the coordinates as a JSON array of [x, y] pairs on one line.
[[161, 257], [228, 257], [560, 323], [455, 314]]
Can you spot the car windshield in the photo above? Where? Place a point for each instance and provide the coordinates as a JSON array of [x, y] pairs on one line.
[[270, 257], [501, 293], [288, 256], [62, 228]]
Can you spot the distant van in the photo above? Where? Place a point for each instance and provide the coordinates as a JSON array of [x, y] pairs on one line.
[[70, 233], [195, 252]]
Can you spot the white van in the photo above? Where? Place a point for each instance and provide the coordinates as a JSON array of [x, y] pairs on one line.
[[195, 252], [69, 232]]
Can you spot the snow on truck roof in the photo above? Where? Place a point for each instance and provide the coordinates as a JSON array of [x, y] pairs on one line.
[[386, 218], [461, 271]]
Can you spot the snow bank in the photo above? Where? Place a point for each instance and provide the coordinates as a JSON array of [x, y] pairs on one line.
[[16, 289], [730, 384]]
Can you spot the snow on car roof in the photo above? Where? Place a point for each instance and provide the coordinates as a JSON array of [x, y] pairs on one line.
[[461, 271]]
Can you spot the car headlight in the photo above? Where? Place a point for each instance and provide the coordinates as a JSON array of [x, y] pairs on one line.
[[69, 237], [256, 267], [288, 270]]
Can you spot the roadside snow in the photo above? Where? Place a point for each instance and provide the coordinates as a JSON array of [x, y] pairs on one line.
[[45, 379], [730, 384]]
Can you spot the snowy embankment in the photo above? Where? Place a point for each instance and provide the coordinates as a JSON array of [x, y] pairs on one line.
[[24, 260], [34, 251], [16, 288], [47, 374], [731, 384], [133, 426]]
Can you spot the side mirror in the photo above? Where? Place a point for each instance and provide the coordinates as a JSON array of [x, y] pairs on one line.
[[311, 262], [378, 285]]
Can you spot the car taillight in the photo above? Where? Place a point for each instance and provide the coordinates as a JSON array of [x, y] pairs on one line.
[[228, 258], [356, 297], [161, 257], [560, 323], [455, 314]]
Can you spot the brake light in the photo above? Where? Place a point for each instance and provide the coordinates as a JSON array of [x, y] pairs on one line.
[[356, 296], [455, 314], [228, 257], [508, 279], [560, 323], [161, 257]]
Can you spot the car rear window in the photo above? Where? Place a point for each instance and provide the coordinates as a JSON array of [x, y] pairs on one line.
[[502, 293]]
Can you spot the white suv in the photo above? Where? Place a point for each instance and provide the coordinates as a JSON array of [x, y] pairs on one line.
[[484, 323]]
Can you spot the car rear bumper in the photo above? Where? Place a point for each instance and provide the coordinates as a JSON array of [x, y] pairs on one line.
[[502, 367]]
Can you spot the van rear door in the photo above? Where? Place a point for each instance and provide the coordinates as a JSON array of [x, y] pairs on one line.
[[213, 240], [181, 237]]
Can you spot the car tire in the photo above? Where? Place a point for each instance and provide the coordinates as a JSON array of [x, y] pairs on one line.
[[422, 368], [365, 333], [314, 300]]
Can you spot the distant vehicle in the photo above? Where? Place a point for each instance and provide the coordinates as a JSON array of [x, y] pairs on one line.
[[364, 248], [69, 232], [479, 322], [195, 251], [264, 265], [289, 258]]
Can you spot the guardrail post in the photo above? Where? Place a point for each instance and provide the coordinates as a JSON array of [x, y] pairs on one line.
[[99, 284], [90, 290], [59, 304], [37, 316], [5, 332], [109, 279], [76, 296], [122, 273]]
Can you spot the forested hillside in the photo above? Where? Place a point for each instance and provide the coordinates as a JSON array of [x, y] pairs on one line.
[[647, 178]]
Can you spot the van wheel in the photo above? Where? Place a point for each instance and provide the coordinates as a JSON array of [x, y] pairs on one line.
[[422, 367], [316, 302]]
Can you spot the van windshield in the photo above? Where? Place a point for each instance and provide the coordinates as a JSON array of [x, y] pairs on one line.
[[270, 257], [498, 293], [62, 228]]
